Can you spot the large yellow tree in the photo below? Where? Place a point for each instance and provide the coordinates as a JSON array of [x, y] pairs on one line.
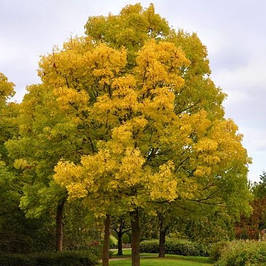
[[132, 117], [153, 153], [160, 126]]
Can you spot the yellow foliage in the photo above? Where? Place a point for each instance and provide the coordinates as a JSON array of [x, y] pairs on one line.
[[6, 89], [68, 99], [159, 64], [144, 103], [137, 115], [20, 164], [163, 184]]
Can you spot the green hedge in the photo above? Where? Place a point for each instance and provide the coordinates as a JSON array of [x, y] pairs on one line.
[[66, 258], [175, 246], [238, 253]]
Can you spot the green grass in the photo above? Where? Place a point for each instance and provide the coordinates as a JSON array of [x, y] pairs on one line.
[[160, 262], [170, 260]]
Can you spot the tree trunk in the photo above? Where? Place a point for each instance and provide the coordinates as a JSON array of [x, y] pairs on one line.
[[105, 258], [162, 244], [119, 244], [59, 225], [135, 238], [162, 237]]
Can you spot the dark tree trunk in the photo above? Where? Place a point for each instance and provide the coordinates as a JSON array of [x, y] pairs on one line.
[[106, 240], [59, 225], [135, 238], [119, 244], [162, 244], [162, 237]]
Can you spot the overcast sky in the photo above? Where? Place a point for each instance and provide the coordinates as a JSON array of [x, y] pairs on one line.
[[233, 31]]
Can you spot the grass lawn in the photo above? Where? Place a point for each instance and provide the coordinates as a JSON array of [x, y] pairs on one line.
[[149, 259]]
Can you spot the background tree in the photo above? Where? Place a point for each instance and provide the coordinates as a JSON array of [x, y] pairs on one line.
[[259, 188], [10, 214], [49, 128], [8, 113], [251, 227], [120, 225], [45, 135], [259, 204], [17, 234]]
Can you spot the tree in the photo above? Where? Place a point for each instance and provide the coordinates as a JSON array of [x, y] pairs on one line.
[[43, 129], [8, 112], [251, 227], [7, 129], [135, 119], [259, 189], [120, 226], [167, 139], [14, 233], [259, 204]]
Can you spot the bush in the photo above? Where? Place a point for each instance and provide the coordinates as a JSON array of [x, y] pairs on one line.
[[125, 238], [216, 249], [113, 241], [175, 246], [237, 253], [66, 258], [111, 254]]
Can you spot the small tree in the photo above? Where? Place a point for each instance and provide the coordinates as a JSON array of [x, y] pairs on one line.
[[120, 226]]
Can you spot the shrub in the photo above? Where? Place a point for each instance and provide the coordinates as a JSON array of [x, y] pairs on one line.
[[113, 242], [216, 249], [126, 238], [175, 246], [67, 258], [111, 254], [238, 253]]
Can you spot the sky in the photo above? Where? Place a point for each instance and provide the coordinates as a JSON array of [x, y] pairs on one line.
[[233, 31]]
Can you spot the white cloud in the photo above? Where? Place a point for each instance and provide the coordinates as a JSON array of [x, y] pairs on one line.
[[247, 76]]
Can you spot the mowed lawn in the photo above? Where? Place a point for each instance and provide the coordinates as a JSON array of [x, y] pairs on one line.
[[170, 260]]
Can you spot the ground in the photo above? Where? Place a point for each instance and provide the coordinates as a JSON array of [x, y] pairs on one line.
[[148, 259]]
